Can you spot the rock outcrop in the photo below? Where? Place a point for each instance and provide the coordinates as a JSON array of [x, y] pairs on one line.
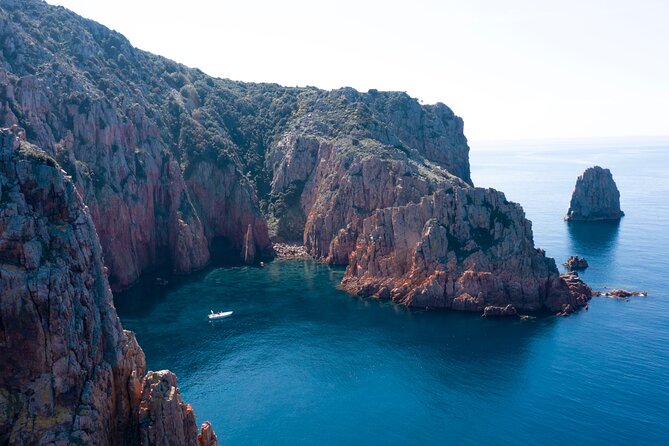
[[249, 254], [575, 263], [463, 249], [595, 197], [149, 164], [69, 373], [170, 160], [579, 291]]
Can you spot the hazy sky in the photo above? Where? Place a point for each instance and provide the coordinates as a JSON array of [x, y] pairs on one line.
[[513, 69]]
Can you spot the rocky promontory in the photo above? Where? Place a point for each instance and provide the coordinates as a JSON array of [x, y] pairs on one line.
[[171, 162], [460, 248], [69, 373], [174, 163], [149, 164], [595, 197]]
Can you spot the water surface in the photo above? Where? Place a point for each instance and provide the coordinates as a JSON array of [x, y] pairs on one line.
[[301, 362]]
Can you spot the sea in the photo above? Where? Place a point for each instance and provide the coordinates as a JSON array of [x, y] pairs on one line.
[[301, 362]]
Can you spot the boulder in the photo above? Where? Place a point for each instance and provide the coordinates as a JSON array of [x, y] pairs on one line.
[[575, 263]]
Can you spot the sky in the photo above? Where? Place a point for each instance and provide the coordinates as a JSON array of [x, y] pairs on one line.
[[512, 69]]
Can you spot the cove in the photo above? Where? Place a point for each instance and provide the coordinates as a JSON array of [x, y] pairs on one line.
[[301, 362]]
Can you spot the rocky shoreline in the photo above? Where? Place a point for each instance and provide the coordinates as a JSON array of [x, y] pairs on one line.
[[69, 373], [290, 251], [121, 155]]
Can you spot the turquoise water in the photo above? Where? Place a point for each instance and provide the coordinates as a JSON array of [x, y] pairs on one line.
[[300, 362]]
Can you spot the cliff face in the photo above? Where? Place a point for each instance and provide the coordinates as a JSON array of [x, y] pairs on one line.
[[463, 249], [169, 159], [69, 372], [595, 197], [348, 154], [129, 127]]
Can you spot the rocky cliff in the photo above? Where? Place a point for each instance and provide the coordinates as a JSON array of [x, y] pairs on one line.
[[69, 373], [170, 160], [595, 197], [461, 248], [150, 164]]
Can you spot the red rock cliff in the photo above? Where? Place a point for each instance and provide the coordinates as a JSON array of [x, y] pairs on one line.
[[461, 248], [69, 372]]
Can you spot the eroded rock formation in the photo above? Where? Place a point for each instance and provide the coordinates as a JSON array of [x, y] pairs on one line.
[[169, 159], [69, 373], [595, 197], [464, 249], [147, 163]]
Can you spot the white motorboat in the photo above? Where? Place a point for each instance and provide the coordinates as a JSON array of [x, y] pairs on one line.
[[220, 315]]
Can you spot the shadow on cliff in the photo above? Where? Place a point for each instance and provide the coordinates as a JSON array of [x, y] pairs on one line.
[[153, 286]]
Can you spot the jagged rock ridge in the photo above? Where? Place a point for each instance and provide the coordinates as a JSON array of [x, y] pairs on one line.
[[69, 373]]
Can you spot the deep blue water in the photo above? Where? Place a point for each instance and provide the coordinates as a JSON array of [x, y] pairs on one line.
[[300, 362]]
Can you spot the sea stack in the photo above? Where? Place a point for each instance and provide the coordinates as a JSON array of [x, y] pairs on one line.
[[595, 197]]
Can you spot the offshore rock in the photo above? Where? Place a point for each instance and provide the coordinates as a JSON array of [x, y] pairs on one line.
[[620, 294], [69, 373], [595, 197], [463, 249], [575, 263]]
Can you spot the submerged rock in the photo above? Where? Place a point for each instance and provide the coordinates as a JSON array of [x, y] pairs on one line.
[[575, 263], [595, 197], [620, 294]]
